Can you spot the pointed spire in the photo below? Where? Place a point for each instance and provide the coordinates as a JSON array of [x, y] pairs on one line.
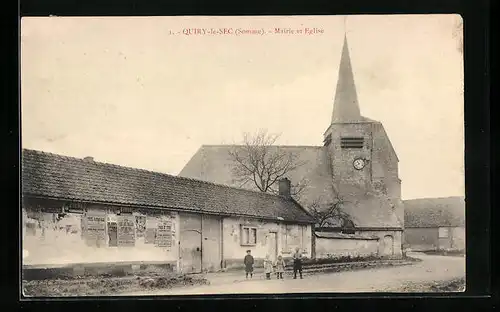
[[345, 105]]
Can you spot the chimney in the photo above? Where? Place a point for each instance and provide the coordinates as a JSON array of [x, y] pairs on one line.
[[284, 188], [88, 159]]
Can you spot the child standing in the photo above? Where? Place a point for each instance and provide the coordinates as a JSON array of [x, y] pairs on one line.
[[268, 267], [248, 261], [280, 267]]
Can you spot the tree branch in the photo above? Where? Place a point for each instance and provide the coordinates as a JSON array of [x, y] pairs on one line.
[[259, 161]]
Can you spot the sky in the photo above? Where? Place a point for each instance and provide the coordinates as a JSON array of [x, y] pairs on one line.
[[138, 92]]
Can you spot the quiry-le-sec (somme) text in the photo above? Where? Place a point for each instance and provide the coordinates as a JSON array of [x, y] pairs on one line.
[[228, 31]]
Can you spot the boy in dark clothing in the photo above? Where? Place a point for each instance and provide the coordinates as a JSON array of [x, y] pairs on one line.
[[297, 263], [248, 261]]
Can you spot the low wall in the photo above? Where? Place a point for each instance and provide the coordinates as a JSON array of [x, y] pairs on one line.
[[345, 247], [395, 239]]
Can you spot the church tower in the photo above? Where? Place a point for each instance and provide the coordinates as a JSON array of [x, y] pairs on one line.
[[362, 157]]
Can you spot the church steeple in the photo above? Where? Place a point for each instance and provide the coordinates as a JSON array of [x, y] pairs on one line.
[[345, 105]]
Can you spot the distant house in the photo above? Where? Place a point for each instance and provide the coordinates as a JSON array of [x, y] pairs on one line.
[[435, 223], [78, 212]]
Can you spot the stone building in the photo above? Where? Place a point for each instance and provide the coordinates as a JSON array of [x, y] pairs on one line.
[[433, 224], [81, 214], [356, 163]]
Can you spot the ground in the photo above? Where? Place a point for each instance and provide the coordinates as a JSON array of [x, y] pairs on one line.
[[433, 273]]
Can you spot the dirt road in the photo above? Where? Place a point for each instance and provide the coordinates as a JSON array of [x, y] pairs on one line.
[[392, 279]]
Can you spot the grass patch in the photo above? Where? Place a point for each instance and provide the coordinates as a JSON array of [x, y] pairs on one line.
[[454, 285], [105, 286], [454, 253]]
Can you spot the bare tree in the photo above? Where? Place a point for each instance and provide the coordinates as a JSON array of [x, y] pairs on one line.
[[262, 164], [330, 214]]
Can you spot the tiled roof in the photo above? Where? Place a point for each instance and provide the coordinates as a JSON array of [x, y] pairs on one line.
[[213, 163], [51, 175], [435, 212]]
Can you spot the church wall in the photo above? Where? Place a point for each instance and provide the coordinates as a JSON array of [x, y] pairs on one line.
[[385, 164], [342, 159]]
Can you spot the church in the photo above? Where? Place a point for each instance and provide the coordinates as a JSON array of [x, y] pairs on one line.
[[357, 164]]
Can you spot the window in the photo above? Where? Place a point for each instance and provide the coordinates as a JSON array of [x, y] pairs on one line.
[[248, 236], [443, 232], [352, 142]]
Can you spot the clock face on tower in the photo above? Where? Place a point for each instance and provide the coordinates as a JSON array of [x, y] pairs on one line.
[[359, 163]]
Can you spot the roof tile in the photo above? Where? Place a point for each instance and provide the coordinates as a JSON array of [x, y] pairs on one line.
[[51, 175], [435, 212]]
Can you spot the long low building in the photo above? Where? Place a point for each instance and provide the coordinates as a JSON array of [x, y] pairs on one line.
[[435, 224], [80, 211]]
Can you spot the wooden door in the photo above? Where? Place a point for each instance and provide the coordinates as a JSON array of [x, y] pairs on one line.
[[190, 243], [211, 246]]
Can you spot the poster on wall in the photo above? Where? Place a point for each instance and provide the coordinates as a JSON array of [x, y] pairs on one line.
[[150, 231], [83, 225], [95, 228], [126, 230], [150, 236], [140, 225], [164, 234]]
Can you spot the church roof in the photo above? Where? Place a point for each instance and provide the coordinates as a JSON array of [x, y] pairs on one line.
[[68, 178], [345, 105], [213, 163], [435, 212]]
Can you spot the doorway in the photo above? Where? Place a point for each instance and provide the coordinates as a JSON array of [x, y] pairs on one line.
[[200, 243], [388, 245], [190, 243], [211, 246], [272, 245]]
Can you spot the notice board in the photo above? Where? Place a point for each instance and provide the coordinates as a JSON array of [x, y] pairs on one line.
[[95, 228], [126, 230], [164, 234]]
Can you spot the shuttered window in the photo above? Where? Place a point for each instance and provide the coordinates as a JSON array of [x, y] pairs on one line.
[[352, 142]]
